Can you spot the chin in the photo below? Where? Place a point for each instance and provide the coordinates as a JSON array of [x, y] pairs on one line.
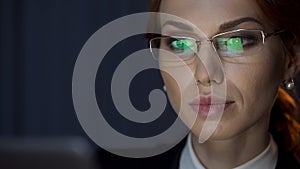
[[220, 133]]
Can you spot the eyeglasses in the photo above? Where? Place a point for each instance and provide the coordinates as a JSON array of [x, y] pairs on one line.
[[235, 43]]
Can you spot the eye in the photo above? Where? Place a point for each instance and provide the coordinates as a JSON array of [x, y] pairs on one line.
[[230, 44], [182, 47], [182, 44], [245, 40], [237, 43]]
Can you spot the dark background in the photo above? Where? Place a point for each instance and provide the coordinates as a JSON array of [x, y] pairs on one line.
[[40, 42]]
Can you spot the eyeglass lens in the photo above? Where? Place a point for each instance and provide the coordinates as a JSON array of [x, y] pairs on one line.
[[231, 44]]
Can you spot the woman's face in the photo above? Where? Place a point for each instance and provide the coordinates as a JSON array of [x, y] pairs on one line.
[[251, 82]]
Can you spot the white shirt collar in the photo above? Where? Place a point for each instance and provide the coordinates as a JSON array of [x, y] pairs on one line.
[[265, 160]]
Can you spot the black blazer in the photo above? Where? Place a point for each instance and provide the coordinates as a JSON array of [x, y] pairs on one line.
[[170, 160]]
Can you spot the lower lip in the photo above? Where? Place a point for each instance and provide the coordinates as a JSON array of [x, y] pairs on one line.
[[210, 109]]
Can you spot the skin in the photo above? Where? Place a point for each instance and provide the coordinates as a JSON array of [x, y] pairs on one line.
[[251, 82]]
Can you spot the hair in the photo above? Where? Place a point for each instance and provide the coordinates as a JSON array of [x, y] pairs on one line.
[[284, 126]]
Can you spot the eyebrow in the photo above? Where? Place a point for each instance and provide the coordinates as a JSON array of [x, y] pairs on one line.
[[224, 26], [234, 23], [179, 25]]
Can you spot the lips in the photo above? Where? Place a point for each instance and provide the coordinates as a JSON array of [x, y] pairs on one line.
[[210, 105]]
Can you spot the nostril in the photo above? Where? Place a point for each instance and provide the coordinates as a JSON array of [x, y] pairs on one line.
[[204, 83]]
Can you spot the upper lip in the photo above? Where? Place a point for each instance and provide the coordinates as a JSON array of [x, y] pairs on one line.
[[209, 100]]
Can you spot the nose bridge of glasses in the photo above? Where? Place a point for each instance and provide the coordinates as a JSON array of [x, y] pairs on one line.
[[204, 44], [208, 57]]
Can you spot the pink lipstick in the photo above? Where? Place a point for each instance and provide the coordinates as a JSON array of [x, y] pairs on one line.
[[210, 105]]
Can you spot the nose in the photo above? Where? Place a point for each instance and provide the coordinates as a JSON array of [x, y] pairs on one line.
[[209, 68]]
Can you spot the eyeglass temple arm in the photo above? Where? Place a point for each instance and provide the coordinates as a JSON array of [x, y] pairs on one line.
[[275, 33]]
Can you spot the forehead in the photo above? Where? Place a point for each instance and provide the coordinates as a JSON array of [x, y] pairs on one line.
[[208, 15]]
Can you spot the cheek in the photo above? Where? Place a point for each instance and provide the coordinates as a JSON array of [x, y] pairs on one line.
[[173, 90], [179, 82], [254, 79], [256, 84], [254, 87]]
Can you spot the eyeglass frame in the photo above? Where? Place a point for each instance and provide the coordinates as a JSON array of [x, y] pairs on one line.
[[265, 35]]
